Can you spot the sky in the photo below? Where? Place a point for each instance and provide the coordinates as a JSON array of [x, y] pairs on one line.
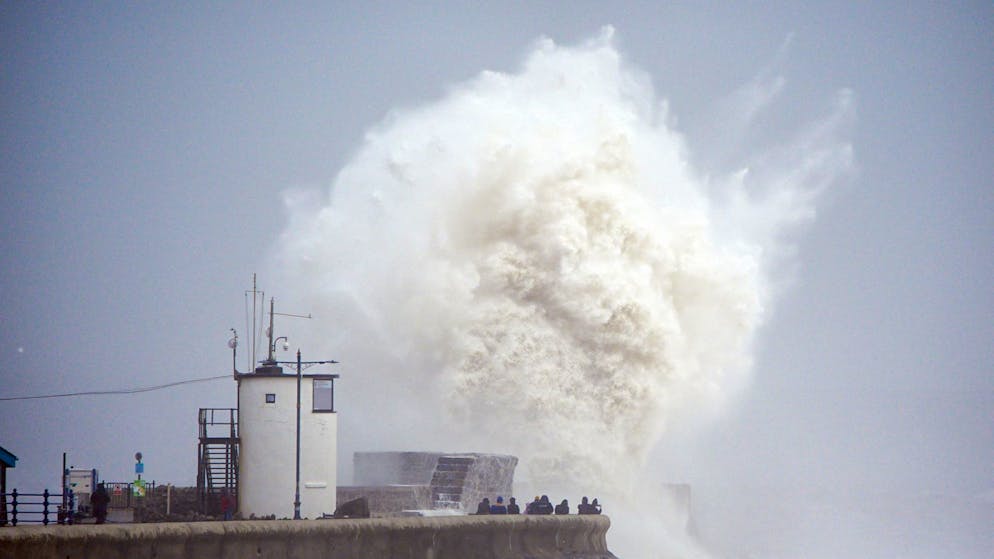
[[147, 150]]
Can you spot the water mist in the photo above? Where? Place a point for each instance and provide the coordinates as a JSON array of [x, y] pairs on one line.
[[531, 265]]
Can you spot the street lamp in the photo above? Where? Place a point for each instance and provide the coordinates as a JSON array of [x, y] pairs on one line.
[[296, 492], [300, 368]]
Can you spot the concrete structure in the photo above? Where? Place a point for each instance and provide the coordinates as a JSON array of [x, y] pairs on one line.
[[267, 424], [464, 537], [398, 481]]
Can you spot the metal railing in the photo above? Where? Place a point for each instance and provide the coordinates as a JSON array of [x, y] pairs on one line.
[[217, 456], [122, 493], [218, 423], [38, 508]]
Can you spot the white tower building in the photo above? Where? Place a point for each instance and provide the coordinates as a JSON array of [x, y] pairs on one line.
[[268, 431]]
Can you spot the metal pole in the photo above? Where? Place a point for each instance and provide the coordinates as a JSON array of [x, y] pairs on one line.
[[65, 474], [296, 495], [269, 358]]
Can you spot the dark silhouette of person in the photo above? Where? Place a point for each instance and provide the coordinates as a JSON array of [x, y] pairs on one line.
[[563, 507], [512, 507], [484, 506], [499, 507], [99, 500], [583, 507], [532, 507], [544, 506], [595, 507]]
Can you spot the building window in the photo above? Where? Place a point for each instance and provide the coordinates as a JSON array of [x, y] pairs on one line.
[[324, 395], [270, 398]]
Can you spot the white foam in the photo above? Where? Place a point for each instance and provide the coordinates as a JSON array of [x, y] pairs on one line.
[[536, 250]]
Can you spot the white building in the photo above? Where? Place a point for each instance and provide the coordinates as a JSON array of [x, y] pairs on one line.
[[267, 418]]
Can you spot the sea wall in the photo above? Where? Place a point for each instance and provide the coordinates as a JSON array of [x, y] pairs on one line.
[[462, 537]]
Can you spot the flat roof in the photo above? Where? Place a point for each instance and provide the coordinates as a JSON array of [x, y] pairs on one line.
[[7, 458], [322, 376]]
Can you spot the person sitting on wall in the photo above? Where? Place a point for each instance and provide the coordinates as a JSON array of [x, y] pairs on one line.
[[563, 507], [544, 506], [484, 506], [512, 507], [583, 507], [99, 500], [498, 508], [532, 507], [595, 507]]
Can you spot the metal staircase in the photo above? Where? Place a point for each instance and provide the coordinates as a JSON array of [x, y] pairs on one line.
[[217, 457]]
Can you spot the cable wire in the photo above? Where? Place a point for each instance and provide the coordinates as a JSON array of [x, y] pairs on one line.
[[121, 391]]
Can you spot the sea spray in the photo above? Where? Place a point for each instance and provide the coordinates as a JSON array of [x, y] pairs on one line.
[[531, 265]]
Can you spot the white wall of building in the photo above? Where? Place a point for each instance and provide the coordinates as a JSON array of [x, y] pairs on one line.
[[268, 449]]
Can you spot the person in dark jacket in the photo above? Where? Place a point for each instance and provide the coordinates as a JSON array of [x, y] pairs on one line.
[[595, 507], [532, 507], [484, 506], [99, 500], [512, 507], [563, 507], [544, 506], [499, 507], [583, 507]]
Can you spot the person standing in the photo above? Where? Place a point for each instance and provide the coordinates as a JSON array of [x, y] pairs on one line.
[[99, 501], [227, 506]]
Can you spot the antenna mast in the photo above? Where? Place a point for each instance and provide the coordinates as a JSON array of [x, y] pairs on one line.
[[270, 359], [253, 350]]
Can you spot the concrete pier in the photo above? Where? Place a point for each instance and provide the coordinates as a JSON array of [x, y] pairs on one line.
[[461, 537]]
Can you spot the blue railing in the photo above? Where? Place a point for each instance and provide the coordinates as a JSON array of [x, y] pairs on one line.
[[37, 508]]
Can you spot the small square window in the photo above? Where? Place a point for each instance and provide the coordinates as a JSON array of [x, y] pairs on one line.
[[324, 396], [270, 398]]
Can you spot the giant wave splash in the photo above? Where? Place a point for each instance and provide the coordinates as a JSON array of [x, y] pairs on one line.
[[538, 251]]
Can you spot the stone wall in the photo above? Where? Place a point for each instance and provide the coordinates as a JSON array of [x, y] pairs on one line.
[[464, 537], [387, 500]]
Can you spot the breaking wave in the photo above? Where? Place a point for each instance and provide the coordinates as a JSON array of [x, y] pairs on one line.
[[537, 252]]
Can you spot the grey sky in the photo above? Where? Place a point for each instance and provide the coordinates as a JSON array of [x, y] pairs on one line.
[[145, 149]]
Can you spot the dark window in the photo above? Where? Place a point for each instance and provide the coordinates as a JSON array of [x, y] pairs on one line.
[[324, 395], [270, 398]]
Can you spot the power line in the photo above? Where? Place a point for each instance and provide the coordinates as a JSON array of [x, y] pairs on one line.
[[121, 391]]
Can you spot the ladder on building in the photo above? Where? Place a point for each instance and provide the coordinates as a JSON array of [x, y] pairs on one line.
[[217, 457]]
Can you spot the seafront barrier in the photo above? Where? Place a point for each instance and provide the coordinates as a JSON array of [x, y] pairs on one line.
[[457, 537]]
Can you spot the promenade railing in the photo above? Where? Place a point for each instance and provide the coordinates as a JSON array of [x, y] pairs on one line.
[[37, 508]]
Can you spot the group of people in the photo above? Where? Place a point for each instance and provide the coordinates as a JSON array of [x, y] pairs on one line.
[[541, 505]]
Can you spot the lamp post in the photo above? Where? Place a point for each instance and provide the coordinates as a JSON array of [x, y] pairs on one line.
[[296, 494], [300, 369]]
